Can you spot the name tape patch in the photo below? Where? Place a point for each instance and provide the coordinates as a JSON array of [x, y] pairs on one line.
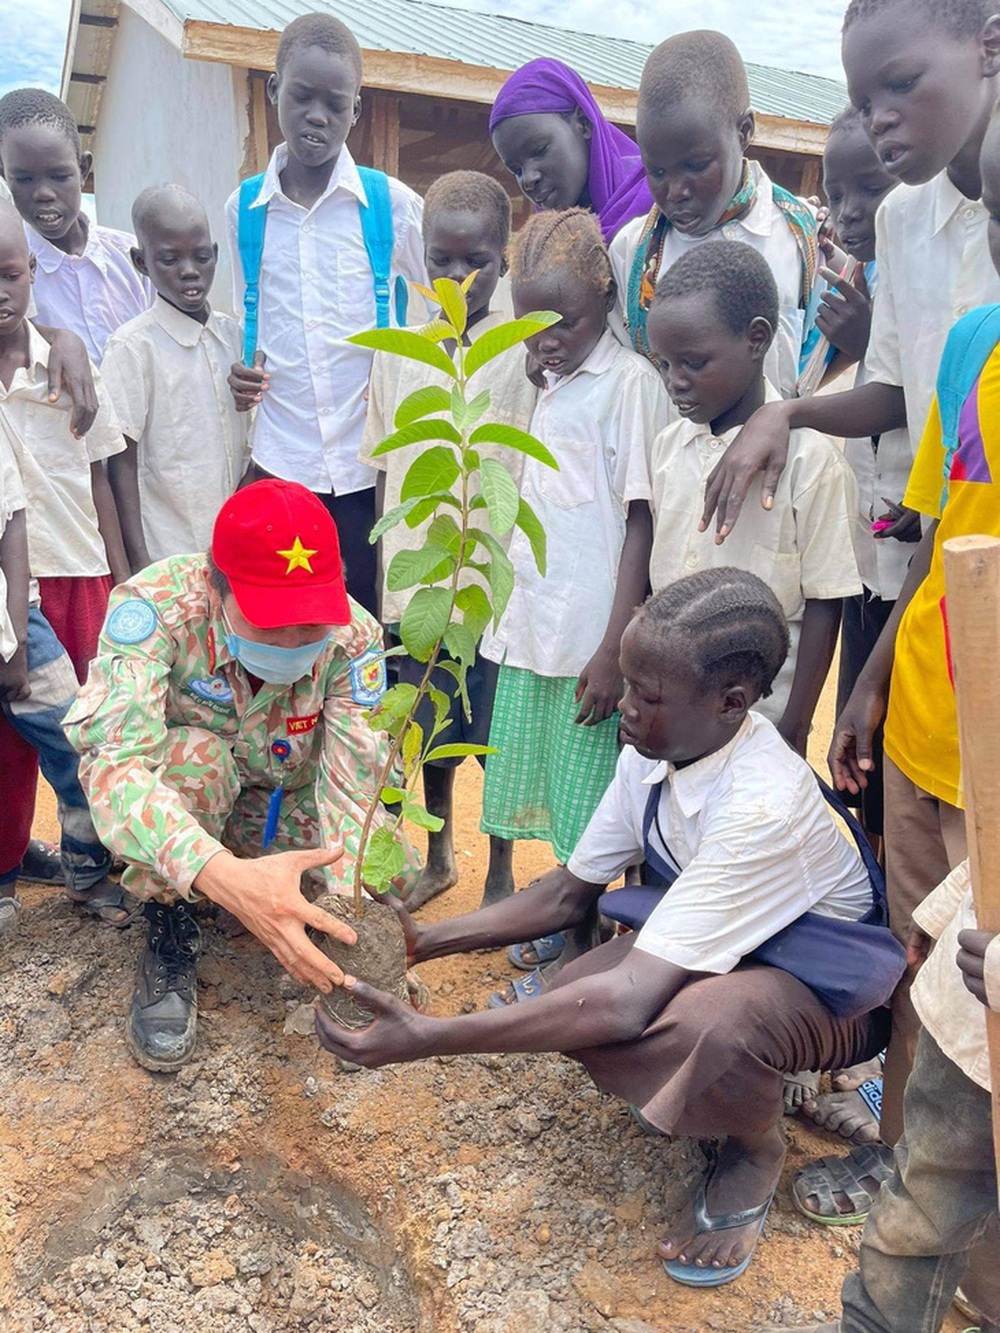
[[298, 726], [368, 678], [131, 622]]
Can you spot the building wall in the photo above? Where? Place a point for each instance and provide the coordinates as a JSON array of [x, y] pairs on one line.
[[164, 118]]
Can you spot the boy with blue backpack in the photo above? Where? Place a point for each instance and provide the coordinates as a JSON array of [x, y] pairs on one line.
[[321, 249]]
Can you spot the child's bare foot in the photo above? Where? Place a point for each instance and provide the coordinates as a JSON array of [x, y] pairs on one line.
[[848, 1080], [439, 874], [845, 1113], [800, 1088], [744, 1177]]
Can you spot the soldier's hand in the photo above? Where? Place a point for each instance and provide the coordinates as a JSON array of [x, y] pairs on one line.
[[265, 895]]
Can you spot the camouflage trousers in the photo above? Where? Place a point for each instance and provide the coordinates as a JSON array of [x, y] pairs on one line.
[[202, 771]]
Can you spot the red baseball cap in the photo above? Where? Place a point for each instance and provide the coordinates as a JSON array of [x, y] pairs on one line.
[[279, 548]]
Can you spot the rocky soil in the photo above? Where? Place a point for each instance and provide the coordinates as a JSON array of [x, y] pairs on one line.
[[265, 1190]]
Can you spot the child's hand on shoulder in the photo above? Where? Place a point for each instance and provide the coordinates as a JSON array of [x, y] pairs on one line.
[[14, 687], [248, 384], [598, 688]]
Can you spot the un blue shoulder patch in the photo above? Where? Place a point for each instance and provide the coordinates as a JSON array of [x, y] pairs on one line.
[[131, 622], [368, 678]]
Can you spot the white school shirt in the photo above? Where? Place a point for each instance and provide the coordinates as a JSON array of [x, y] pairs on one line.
[[512, 401], [596, 422], [752, 837], [766, 229], [12, 499], [802, 548], [951, 1013], [166, 375], [90, 294], [64, 540], [933, 267], [316, 289]]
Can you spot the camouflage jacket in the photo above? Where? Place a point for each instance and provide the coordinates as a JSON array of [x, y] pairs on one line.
[[162, 662]]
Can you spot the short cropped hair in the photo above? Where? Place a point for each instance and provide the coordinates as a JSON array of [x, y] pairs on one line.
[[321, 30], [35, 106], [218, 580], [737, 276], [570, 240], [848, 119], [471, 192], [725, 624], [700, 66], [146, 209], [958, 18]]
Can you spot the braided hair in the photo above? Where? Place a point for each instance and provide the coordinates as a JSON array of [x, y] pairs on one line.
[[958, 18], [569, 240], [725, 624]]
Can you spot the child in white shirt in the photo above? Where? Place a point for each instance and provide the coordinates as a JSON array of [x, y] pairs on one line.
[[711, 324], [316, 288], [554, 718], [84, 278], [693, 126], [166, 373]]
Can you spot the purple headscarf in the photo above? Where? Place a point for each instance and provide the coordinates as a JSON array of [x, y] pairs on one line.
[[617, 182]]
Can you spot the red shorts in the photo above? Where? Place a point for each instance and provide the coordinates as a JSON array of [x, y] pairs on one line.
[[19, 766], [75, 608]]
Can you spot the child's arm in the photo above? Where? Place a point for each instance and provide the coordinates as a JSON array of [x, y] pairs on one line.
[[600, 685], [14, 563], [69, 370], [817, 641], [107, 522], [123, 478]]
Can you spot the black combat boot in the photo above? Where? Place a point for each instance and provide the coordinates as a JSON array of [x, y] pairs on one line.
[[162, 1020]]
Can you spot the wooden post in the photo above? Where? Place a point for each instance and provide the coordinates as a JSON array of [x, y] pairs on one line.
[[383, 112], [972, 582]]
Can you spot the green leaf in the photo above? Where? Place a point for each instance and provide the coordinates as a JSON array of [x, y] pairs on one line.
[[384, 859], [442, 706], [416, 814], [392, 795], [413, 743], [436, 428], [495, 432], [429, 564], [501, 495], [501, 573], [460, 750], [465, 414], [475, 608], [460, 643], [460, 672], [444, 531], [437, 331], [497, 340], [406, 342], [426, 506], [393, 708], [421, 403], [390, 518], [425, 621], [531, 525], [434, 470], [452, 303]]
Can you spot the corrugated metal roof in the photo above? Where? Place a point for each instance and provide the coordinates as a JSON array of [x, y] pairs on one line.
[[417, 27]]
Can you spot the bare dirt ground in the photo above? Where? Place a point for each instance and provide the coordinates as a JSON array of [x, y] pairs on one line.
[[264, 1190]]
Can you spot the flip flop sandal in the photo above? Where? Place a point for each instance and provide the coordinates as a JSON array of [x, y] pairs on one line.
[[10, 908], [525, 988], [827, 1177], [689, 1275], [547, 949], [42, 864], [111, 897]]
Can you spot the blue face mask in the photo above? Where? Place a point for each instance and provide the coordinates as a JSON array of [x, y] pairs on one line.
[[268, 662]]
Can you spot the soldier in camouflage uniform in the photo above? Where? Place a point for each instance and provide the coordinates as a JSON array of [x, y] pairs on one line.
[[226, 705]]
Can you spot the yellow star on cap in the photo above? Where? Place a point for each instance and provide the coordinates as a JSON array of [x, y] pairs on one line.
[[297, 556]]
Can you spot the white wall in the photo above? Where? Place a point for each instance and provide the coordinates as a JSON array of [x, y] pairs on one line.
[[164, 118]]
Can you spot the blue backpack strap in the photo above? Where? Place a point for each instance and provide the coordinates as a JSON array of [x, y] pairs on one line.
[[250, 239], [969, 346], [879, 914], [379, 237]]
